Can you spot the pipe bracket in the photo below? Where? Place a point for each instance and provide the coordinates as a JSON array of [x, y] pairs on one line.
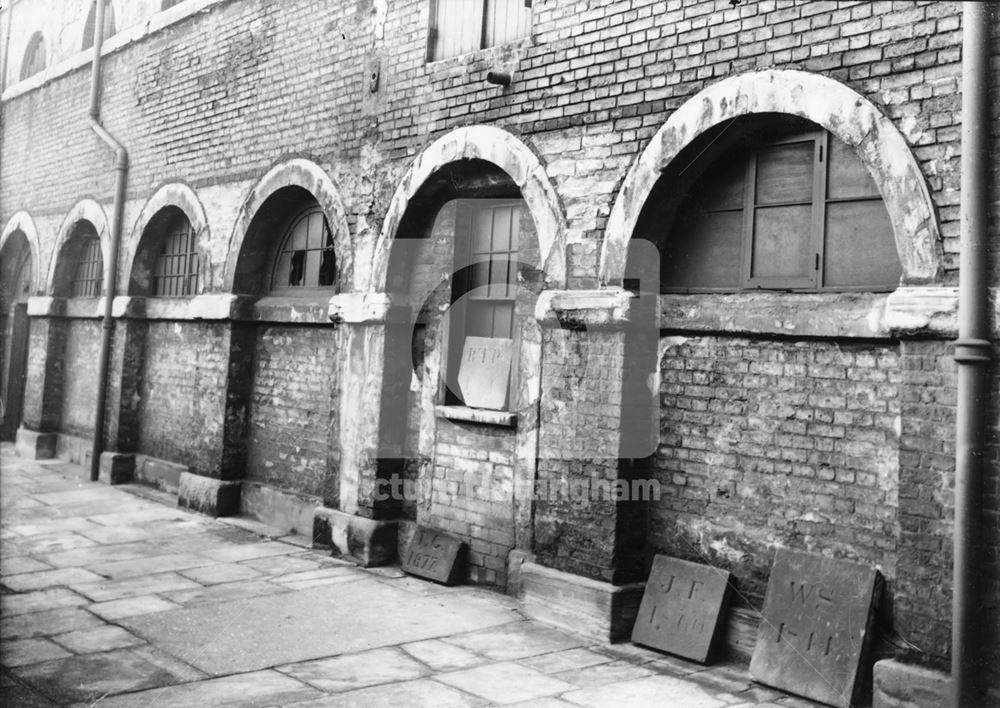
[[973, 351]]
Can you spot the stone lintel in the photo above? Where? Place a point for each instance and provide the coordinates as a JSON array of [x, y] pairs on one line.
[[365, 541], [923, 311], [39, 306], [33, 445], [206, 495], [359, 308], [117, 467], [291, 310], [905, 685], [596, 609], [580, 309]]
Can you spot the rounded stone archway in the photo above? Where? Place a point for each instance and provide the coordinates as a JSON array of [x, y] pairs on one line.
[[84, 210], [22, 223], [846, 114], [511, 155], [308, 176]]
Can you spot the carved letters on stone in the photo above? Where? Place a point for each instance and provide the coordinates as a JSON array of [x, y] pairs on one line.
[[682, 608], [814, 634], [435, 555], [484, 372]]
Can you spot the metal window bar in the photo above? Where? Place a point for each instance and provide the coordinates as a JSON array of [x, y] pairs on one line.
[[311, 266], [177, 269], [89, 276]]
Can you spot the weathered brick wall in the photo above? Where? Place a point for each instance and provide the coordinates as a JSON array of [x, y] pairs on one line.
[[292, 427], [182, 393], [83, 344], [471, 494], [777, 442]]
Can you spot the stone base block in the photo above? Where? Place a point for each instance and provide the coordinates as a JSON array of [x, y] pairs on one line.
[[602, 611], [899, 685], [75, 449], [214, 497], [365, 541], [117, 467], [35, 446], [290, 512]]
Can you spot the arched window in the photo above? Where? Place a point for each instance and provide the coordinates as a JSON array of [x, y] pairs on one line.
[[109, 23], [786, 207], [305, 258], [89, 275], [34, 56], [177, 267]]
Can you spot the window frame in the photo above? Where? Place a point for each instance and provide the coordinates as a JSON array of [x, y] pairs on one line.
[[35, 60], [434, 53], [189, 273], [291, 224], [814, 280], [90, 25], [88, 276]]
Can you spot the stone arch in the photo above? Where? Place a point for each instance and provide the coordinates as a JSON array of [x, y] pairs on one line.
[[23, 223], [507, 152], [180, 196], [83, 210], [296, 172], [828, 103]]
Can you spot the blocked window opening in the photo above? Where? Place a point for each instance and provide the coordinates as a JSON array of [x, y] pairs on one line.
[[177, 268], [109, 23], [305, 258], [461, 26], [782, 205], [34, 56]]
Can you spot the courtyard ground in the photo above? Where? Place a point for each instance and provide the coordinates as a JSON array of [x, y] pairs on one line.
[[113, 596]]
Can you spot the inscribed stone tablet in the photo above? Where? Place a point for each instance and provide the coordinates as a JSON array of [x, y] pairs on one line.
[[815, 631], [681, 610], [435, 555], [485, 371]]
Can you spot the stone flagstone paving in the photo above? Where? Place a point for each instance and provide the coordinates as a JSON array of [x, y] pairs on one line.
[[111, 596]]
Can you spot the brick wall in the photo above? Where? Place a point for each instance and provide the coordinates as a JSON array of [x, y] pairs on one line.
[[182, 393], [777, 442], [293, 404], [83, 344], [471, 494]]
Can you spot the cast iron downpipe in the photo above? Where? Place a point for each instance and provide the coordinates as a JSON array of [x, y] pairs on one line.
[[111, 268], [973, 355]]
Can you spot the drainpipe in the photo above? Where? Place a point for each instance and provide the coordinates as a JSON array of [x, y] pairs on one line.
[[973, 355], [111, 268]]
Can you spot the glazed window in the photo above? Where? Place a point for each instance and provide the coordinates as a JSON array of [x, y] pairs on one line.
[[799, 213], [176, 271], [89, 275], [305, 258], [34, 56], [461, 26], [109, 23], [483, 302]]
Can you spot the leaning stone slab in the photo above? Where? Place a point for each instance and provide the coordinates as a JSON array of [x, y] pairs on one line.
[[682, 609], [435, 555], [814, 634]]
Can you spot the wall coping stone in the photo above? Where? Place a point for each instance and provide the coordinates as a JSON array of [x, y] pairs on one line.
[[607, 307]]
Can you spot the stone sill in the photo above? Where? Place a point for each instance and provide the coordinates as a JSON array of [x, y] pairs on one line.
[[477, 415], [112, 44], [503, 57], [292, 310]]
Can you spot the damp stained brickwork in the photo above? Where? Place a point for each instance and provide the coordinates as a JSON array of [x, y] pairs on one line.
[[83, 341]]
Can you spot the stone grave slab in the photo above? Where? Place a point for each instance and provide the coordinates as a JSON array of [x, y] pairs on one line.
[[435, 555], [815, 632], [484, 372], [682, 608]]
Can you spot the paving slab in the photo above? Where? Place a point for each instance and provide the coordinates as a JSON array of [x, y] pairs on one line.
[[153, 564], [568, 660], [94, 556], [228, 592], [220, 573], [314, 623], [91, 641], [645, 692], [282, 565], [423, 693], [17, 693], [15, 565], [353, 671], [53, 526], [442, 656], [516, 640], [131, 606], [49, 578], [38, 624], [505, 682], [261, 688], [20, 652], [604, 673], [39, 601], [93, 676], [236, 553], [48, 543]]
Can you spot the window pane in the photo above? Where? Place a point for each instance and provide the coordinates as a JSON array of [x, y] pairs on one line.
[[785, 173], [506, 20], [847, 176], [327, 267], [724, 187], [479, 319], [282, 271], [296, 273], [704, 252], [860, 248], [299, 239], [781, 242], [501, 229], [459, 27], [481, 231], [503, 320]]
